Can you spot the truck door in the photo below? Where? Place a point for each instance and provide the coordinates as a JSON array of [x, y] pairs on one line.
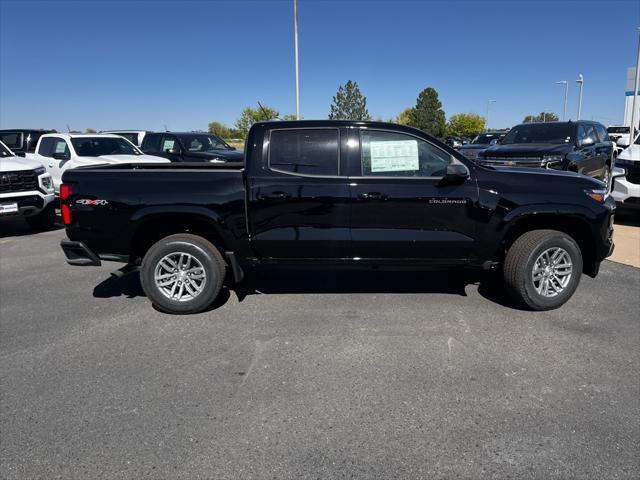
[[401, 208], [298, 199], [54, 154]]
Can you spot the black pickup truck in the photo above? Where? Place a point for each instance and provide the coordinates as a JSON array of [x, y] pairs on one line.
[[337, 193]]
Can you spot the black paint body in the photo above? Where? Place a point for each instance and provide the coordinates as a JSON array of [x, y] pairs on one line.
[[265, 216]]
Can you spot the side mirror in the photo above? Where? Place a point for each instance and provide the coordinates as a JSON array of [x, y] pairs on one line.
[[457, 173], [586, 142], [622, 142], [494, 141]]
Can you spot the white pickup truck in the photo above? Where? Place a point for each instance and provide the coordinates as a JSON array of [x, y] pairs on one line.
[[26, 190], [59, 152], [626, 189]]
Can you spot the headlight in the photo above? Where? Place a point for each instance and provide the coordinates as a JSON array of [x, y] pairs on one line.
[[553, 158], [598, 195]]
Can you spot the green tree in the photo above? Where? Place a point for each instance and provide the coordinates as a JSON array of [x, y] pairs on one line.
[[220, 129], [428, 115], [349, 103], [249, 116], [465, 125], [289, 116], [405, 117], [90, 130], [543, 117]]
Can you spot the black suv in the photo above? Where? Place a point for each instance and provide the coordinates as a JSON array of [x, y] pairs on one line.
[[580, 146], [20, 141], [190, 147]]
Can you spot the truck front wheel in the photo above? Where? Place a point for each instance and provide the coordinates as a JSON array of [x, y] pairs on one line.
[[542, 269], [182, 274]]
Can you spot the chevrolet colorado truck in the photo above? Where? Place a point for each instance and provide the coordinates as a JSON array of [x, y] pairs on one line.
[[337, 193], [26, 190]]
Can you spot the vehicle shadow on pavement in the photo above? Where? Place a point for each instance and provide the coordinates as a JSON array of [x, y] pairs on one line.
[[17, 227], [282, 280]]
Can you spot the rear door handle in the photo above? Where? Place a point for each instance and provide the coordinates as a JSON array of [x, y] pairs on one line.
[[372, 196], [274, 196]]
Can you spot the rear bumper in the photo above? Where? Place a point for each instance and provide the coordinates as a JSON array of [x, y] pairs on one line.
[[78, 254]]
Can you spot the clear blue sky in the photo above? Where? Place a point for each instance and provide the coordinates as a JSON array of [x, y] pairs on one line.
[[144, 64]]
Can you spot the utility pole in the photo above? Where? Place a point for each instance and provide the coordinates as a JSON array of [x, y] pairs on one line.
[[580, 81], [489, 102], [566, 94], [295, 40], [636, 85]]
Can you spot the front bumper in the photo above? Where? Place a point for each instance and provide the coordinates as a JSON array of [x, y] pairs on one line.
[[625, 192], [29, 203], [78, 254]]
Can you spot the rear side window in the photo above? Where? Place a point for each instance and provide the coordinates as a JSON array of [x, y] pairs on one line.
[[12, 140], [308, 151]]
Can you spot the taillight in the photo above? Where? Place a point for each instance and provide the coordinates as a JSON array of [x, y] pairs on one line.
[[65, 210]]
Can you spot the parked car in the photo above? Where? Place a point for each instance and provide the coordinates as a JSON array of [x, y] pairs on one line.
[[479, 143], [626, 189], [134, 136], [60, 152], [22, 142], [337, 193], [190, 147], [26, 190], [619, 135], [581, 146]]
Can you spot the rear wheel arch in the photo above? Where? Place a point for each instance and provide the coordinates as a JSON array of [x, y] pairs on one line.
[[153, 227]]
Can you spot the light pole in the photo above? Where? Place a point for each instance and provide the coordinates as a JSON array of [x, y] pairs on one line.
[[636, 85], [580, 81], [566, 94], [489, 102], [295, 41]]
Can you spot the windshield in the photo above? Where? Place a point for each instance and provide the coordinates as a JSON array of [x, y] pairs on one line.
[[618, 130], [484, 138], [203, 143], [4, 151], [97, 146], [12, 139], [540, 133]]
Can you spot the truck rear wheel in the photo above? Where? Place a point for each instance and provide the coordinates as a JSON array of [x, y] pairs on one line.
[[542, 269], [182, 274]]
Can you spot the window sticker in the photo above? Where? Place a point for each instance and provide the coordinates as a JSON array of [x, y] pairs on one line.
[[394, 156], [61, 147], [168, 145]]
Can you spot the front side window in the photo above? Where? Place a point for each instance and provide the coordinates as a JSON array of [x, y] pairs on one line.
[[390, 154], [306, 151], [98, 146], [203, 143], [46, 146]]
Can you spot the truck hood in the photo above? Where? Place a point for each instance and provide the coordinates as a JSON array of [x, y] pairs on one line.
[[225, 155], [631, 153], [474, 146], [15, 164], [527, 150], [126, 159]]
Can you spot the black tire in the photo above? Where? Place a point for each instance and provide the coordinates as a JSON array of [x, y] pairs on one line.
[[520, 261], [43, 220], [200, 249]]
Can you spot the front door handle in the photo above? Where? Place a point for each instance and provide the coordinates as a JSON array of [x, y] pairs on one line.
[[274, 196], [372, 196]]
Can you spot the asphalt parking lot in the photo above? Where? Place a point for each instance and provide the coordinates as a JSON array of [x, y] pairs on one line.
[[303, 374]]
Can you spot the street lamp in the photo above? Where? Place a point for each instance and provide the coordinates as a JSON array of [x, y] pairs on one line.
[[580, 81], [489, 102], [295, 41], [636, 85], [566, 94]]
